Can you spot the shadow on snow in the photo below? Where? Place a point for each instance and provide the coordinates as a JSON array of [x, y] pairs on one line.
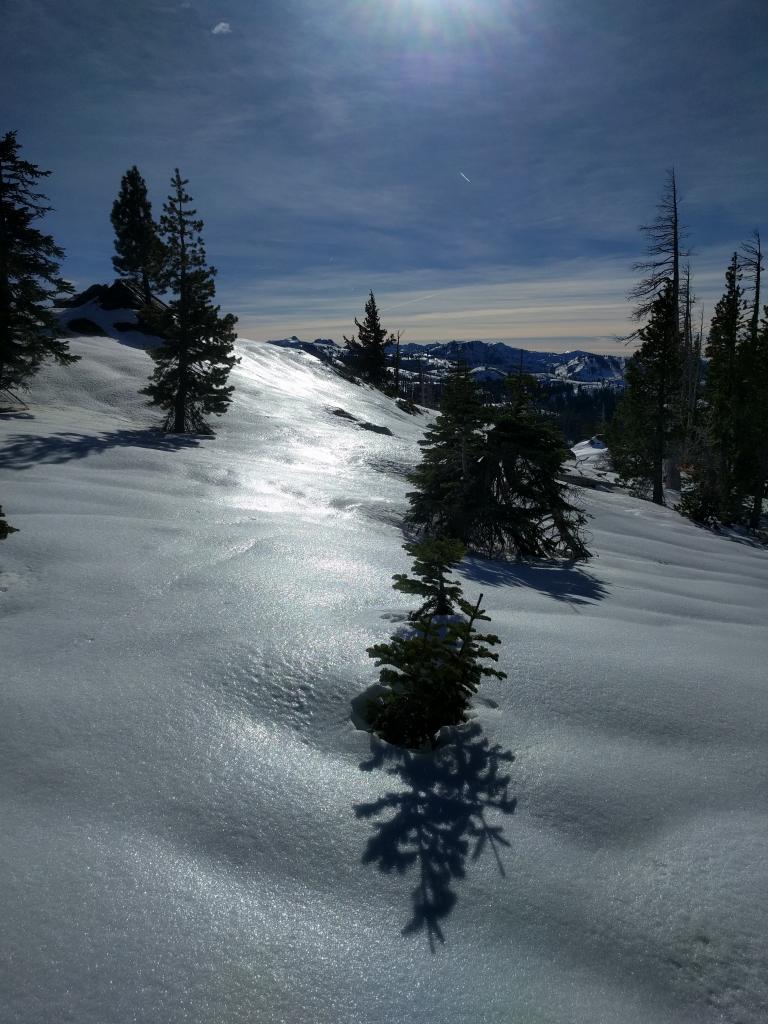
[[435, 820], [22, 451], [561, 580]]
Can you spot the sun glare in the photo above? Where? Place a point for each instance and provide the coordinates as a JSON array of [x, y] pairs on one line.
[[441, 21]]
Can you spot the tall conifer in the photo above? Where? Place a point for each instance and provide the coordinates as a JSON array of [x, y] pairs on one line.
[[662, 271], [647, 424], [194, 362], [367, 352], [138, 250], [29, 273], [753, 466], [724, 389]]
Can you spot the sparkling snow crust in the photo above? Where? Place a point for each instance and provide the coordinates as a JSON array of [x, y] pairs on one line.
[[194, 831]]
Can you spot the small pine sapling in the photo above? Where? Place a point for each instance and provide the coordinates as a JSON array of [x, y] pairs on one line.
[[5, 527], [432, 670], [432, 558]]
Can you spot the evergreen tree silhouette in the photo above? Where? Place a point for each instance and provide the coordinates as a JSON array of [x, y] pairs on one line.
[[5, 527], [138, 250], [432, 669], [647, 422], [489, 476], [194, 361], [367, 352], [29, 273]]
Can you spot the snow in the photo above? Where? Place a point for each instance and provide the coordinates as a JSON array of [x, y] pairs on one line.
[[193, 829]]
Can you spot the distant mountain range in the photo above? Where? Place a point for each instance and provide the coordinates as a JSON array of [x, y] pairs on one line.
[[96, 310], [493, 360], [577, 366]]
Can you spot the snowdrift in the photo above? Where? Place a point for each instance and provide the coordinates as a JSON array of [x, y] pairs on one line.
[[194, 831]]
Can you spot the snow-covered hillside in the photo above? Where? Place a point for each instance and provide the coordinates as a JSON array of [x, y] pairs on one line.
[[194, 831]]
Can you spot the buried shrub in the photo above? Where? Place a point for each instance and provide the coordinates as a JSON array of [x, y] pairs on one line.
[[5, 527], [431, 668]]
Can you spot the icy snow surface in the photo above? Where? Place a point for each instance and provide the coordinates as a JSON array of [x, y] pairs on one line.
[[194, 831]]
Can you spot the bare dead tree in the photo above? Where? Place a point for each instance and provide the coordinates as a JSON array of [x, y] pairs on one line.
[[663, 256], [751, 260], [661, 271]]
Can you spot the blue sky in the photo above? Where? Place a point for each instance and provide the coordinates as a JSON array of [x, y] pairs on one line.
[[482, 165]]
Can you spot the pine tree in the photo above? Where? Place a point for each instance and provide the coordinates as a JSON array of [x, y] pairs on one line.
[[367, 352], [723, 392], [193, 363], [29, 273], [5, 527], [691, 372], [432, 670], [490, 477], [753, 462], [445, 500], [138, 250], [646, 427], [661, 267], [525, 508], [662, 271]]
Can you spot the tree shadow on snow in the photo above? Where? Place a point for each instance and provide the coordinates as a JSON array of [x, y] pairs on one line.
[[736, 534], [16, 414], [436, 819], [561, 580], [22, 451]]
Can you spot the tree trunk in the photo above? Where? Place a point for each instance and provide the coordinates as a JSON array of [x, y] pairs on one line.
[[756, 511], [179, 411], [657, 478], [672, 473]]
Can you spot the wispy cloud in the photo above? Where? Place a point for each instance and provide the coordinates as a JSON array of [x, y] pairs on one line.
[[320, 179]]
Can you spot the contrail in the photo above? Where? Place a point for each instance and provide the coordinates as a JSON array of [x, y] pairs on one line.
[[408, 302], [465, 177]]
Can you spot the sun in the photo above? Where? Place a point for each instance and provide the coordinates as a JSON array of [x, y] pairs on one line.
[[446, 20]]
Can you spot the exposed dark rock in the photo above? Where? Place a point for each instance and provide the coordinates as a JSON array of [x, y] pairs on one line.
[[82, 325], [376, 429], [71, 302], [121, 294], [136, 325], [409, 407]]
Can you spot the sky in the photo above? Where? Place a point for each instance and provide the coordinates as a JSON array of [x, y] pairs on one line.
[[484, 166]]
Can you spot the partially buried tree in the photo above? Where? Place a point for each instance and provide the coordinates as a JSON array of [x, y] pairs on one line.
[[432, 668], [29, 273], [193, 363], [490, 476], [138, 250]]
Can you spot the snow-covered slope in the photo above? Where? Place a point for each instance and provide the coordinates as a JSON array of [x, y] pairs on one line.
[[194, 831]]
